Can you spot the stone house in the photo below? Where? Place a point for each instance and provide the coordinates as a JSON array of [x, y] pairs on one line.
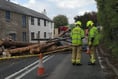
[[21, 23]]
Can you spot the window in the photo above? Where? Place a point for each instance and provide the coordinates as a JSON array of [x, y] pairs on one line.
[[44, 22], [38, 21], [32, 35], [7, 15], [54, 31], [24, 21], [32, 20], [24, 36], [38, 36], [44, 34], [47, 23], [13, 36]]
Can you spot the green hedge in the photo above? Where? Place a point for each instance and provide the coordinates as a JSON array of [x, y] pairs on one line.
[[108, 18]]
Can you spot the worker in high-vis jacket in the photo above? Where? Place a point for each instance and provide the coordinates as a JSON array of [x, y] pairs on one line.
[[93, 40], [77, 34]]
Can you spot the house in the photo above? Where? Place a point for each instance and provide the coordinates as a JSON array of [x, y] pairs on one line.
[[40, 28], [23, 24]]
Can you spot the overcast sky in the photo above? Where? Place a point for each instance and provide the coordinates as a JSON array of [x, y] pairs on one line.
[[70, 8]]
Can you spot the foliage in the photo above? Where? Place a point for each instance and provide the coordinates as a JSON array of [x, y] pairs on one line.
[[71, 26], [87, 16], [108, 18], [60, 20]]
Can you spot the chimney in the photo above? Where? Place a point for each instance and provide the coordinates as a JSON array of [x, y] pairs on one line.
[[44, 12], [8, 0]]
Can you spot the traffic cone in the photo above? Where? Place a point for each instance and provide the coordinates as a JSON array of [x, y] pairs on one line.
[[41, 69]]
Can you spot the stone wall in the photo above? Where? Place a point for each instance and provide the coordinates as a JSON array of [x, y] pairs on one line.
[[14, 25]]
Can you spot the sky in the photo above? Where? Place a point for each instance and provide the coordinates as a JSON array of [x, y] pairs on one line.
[[69, 8]]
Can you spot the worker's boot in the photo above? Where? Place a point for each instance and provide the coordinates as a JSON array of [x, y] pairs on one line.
[[92, 62], [73, 62], [78, 62]]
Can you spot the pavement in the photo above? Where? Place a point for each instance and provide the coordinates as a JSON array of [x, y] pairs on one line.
[[56, 66]]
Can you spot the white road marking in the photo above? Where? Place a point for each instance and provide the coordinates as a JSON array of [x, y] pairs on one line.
[[16, 73], [25, 73], [100, 60]]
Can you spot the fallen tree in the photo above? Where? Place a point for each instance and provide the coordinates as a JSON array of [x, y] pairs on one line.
[[8, 43], [31, 48]]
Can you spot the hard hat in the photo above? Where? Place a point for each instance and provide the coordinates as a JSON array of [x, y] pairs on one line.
[[89, 23], [78, 23]]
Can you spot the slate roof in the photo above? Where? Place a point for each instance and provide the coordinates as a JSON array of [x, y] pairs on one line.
[[9, 6]]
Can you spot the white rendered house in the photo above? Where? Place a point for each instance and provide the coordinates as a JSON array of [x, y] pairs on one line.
[[40, 28]]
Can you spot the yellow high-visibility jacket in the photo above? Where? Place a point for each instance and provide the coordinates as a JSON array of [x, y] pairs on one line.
[[93, 33], [77, 34]]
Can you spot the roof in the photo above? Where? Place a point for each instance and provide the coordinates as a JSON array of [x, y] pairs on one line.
[[9, 6]]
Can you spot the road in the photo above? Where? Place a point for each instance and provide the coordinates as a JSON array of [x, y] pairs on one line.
[[56, 67]]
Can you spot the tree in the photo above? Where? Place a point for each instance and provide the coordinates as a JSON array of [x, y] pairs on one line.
[[60, 20], [108, 18], [87, 16]]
